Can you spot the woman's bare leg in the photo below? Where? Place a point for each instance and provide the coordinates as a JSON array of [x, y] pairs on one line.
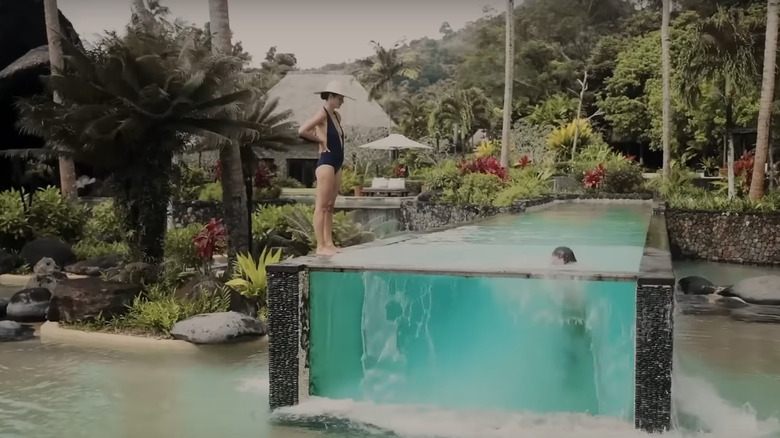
[[332, 209], [323, 214]]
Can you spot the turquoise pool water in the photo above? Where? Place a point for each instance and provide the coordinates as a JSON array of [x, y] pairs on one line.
[[436, 336], [604, 237], [474, 343]]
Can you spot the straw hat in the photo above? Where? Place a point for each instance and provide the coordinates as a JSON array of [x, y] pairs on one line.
[[335, 87]]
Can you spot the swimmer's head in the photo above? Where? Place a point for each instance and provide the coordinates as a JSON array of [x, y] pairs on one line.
[[563, 255]]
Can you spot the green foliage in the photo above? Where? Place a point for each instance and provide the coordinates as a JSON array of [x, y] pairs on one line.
[[14, 229], [349, 180], [179, 246], [287, 182], [694, 198], [249, 277], [268, 219], [188, 181], [558, 110], [105, 224], [527, 183], [475, 189], [90, 248], [43, 213], [211, 192], [445, 176], [623, 175]]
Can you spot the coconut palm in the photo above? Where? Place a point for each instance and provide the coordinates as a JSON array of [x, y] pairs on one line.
[[462, 112], [723, 55], [129, 106], [666, 67], [234, 201], [386, 66], [509, 65], [52, 16], [765, 104]]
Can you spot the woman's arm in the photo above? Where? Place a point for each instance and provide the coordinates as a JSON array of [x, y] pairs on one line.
[[306, 131]]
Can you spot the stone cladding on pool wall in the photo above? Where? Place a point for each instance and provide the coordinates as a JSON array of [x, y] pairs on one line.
[[733, 237], [654, 343], [288, 321]]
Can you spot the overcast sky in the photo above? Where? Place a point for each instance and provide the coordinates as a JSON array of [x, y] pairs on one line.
[[317, 31]]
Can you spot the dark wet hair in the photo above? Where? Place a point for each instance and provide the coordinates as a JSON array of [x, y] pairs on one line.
[[325, 95], [564, 253]]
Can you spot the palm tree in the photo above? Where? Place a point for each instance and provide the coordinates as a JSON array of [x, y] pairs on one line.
[[384, 67], [767, 98], [666, 67], [274, 130], [723, 55], [53, 36], [461, 112], [413, 117], [128, 107], [234, 201], [509, 64]]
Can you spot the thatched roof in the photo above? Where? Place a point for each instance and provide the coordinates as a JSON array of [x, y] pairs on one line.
[[296, 92], [35, 58]]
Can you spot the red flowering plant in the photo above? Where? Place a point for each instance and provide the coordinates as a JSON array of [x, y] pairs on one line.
[[594, 178], [487, 165], [210, 240], [262, 177], [217, 171], [742, 168], [400, 171], [523, 162]]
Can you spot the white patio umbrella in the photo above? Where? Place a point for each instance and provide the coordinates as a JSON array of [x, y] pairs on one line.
[[394, 142]]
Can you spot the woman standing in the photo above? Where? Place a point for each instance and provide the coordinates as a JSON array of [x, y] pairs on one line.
[[324, 128]]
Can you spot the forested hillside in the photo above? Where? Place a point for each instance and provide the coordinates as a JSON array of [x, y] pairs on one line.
[[607, 51]]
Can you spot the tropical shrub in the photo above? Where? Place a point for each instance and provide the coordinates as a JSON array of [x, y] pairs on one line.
[[475, 189]]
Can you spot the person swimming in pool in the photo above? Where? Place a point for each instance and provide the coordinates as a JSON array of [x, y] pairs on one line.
[[563, 255], [325, 129]]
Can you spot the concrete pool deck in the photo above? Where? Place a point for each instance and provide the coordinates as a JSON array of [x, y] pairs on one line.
[[289, 307]]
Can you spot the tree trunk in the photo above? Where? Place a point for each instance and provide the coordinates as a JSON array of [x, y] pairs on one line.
[[765, 104], [509, 64], [667, 86], [233, 190], [729, 141], [52, 15]]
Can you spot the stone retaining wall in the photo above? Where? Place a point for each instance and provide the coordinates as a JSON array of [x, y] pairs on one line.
[[734, 237], [424, 216]]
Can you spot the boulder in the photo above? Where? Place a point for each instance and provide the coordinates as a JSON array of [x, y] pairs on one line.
[[46, 274], [694, 285], [754, 313], [13, 331], [201, 286], [85, 298], [8, 262], [29, 305], [764, 290], [135, 272], [218, 328], [3, 306], [94, 267], [54, 249]]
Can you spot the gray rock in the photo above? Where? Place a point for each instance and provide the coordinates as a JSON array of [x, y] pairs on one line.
[[29, 305], [763, 314], [45, 247], [207, 287], [135, 272], [83, 299], [694, 285], [94, 267], [218, 328], [3, 305], [13, 331], [763, 290]]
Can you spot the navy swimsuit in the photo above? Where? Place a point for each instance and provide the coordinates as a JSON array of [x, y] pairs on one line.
[[334, 157]]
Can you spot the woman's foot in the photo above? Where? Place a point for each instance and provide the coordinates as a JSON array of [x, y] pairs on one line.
[[334, 248], [326, 250]]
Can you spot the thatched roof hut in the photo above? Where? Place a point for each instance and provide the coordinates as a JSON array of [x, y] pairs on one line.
[[35, 58], [296, 92]]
